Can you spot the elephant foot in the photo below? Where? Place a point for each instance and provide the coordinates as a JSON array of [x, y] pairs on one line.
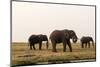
[[82, 47], [64, 50], [34, 49], [54, 51], [30, 48], [70, 50], [40, 49]]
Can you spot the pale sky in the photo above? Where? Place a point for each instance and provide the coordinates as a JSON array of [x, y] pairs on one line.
[[39, 18]]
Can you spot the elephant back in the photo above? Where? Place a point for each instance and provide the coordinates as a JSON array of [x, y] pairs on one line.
[[86, 39], [56, 34], [33, 38], [43, 37]]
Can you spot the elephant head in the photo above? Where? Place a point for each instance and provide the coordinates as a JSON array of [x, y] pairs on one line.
[[71, 34], [44, 38], [91, 39]]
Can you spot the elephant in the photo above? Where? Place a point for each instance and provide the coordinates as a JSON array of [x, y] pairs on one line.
[[34, 39], [86, 40], [62, 36]]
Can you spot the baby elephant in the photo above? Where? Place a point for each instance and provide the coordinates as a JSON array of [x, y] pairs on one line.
[[86, 40]]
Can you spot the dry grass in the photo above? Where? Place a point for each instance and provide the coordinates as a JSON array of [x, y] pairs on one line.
[[22, 55]]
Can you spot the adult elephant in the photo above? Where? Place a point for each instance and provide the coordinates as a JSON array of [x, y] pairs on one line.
[[62, 36], [34, 39], [86, 40]]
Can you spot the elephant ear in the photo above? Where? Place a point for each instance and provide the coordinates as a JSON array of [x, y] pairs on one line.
[[66, 34], [72, 33]]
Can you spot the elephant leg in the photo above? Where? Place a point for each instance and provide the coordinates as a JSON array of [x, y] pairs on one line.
[[53, 46], [69, 44], [47, 45], [85, 45], [89, 45], [34, 46], [82, 45], [30, 46], [64, 47], [40, 45]]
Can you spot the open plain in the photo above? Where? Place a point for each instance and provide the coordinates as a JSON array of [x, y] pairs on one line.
[[22, 55]]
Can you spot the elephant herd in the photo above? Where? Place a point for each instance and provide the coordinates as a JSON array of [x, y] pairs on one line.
[[59, 36]]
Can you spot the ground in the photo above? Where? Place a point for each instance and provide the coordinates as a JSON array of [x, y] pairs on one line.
[[22, 55]]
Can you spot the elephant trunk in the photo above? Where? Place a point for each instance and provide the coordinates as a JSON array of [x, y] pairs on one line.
[[74, 39]]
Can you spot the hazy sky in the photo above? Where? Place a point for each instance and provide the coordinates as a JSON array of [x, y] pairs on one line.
[[38, 18]]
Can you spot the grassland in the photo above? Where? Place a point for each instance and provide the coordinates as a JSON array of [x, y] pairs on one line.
[[22, 55]]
